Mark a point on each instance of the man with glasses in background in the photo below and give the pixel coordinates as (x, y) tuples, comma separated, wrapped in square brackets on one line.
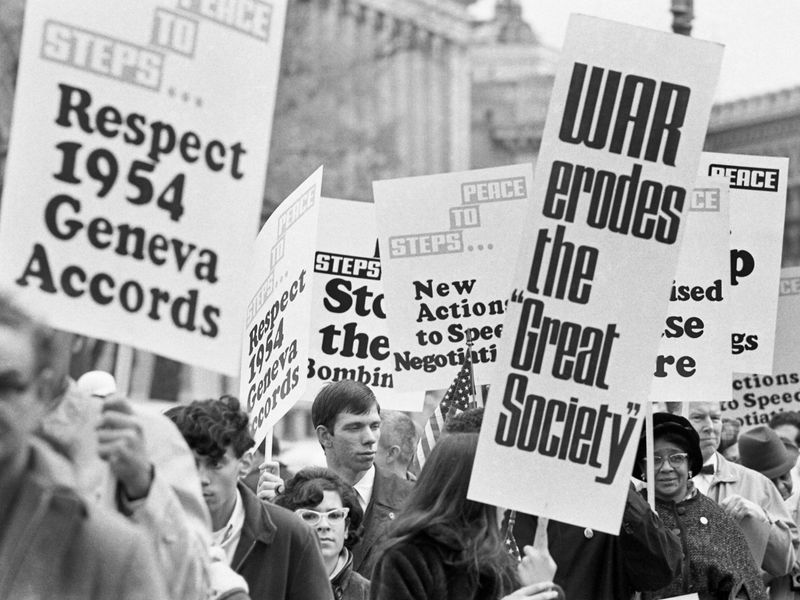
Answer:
[(276, 553), (749, 497)]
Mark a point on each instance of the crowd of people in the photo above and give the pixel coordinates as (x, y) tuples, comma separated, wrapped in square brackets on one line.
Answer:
[(103, 498)]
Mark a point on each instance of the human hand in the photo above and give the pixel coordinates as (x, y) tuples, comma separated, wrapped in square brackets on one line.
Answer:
[(545, 590), (739, 508), (269, 482), (537, 565), (120, 440)]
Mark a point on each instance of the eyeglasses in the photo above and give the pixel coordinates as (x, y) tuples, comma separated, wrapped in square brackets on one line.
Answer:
[(312, 517), (675, 460)]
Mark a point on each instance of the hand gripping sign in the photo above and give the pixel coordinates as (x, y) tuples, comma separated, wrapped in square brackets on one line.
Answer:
[(614, 175)]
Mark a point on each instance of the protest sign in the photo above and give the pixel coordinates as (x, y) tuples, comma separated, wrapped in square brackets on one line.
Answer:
[(448, 243), (693, 362), (136, 169), (276, 338), (758, 207), (618, 161), (348, 320), (756, 397)]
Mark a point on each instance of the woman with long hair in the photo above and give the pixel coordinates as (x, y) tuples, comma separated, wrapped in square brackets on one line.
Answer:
[(444, 546)]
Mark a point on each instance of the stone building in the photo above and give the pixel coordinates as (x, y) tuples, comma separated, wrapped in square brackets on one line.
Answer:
[(371, 89), (769, 125), (512, 75)]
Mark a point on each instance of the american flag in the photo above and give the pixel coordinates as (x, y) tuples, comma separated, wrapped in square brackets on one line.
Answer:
[(456, 399)]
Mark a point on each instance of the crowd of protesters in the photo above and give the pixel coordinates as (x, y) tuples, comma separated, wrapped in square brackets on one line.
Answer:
[(102, 498)]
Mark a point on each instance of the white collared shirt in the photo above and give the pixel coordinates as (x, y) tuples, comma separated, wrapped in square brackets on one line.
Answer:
[(228, 537), (702, 481), (363, 488)]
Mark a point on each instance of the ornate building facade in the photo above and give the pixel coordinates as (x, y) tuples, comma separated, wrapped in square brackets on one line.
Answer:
[(371, 89), (512, 75), (768, 125)]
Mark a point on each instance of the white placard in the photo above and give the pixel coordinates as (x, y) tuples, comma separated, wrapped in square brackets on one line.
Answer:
[(758, 208), (693, 362), (136, 169), (277, 336), (448, 244), (756, 398), (614, 175), (350, 339)]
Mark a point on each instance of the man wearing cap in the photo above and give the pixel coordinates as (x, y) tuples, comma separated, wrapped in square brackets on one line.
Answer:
[(749, 497), (762, 450)]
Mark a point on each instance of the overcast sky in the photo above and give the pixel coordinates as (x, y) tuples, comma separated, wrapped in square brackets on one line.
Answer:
[(762, 44)]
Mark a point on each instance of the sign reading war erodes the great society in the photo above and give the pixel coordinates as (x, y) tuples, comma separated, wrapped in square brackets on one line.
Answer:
[(136, 169), (614, 175)]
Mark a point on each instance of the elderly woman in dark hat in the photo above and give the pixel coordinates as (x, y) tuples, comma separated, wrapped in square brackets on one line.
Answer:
[(718, 563)]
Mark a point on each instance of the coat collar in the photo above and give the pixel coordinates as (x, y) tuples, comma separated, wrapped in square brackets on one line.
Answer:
[(725, 473), (258, 526)]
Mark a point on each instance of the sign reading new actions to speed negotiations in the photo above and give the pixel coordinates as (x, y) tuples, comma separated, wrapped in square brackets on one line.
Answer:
[(693, 362), (276, 339), (614, 178), (758, 207), (448, 245), (349, 337), (136, 169)]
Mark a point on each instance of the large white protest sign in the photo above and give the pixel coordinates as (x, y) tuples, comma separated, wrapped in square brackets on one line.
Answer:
[(614, 176), (448, 244), (758, 207), (276, 338), (136, 169), (693, 362), (348, 321), (757, 397)]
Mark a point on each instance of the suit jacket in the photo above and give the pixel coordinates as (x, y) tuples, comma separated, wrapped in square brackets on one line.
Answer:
[(388, 495), (53, 544), (783, 543), (278, 555)]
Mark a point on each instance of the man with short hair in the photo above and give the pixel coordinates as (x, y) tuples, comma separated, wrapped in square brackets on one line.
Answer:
[(347, 418), (276, 553), (744, 494), (397, 443), (53, 544)]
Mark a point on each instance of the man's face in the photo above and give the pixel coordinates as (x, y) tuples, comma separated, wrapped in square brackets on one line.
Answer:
[(354, 441), (218, 479), (20, 409), (706, 418)]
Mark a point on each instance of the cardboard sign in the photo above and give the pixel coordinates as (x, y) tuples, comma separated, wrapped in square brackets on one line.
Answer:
[(136, 169), (758, 207), (350, 339), (614, 177), (787, 330), (448, 244), (693, 362), (756, 397), (276, 340)]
